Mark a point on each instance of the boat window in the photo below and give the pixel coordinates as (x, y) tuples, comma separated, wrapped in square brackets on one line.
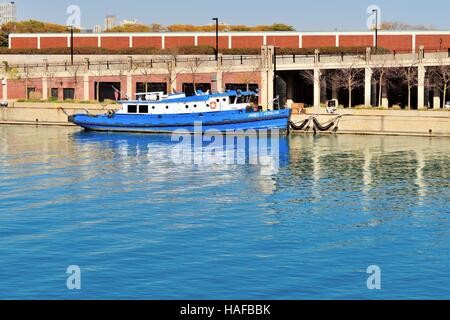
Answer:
[(195, 106), (143, 109), (241, 99), (218, 100), (187, 107), (132, 108), (224, 99), (167, 107), (232, 99)]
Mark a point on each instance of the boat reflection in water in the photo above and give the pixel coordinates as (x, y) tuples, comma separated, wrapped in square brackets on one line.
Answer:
[(261, 153)]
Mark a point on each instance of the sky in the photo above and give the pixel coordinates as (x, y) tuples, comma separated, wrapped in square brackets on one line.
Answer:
[(341, 15)]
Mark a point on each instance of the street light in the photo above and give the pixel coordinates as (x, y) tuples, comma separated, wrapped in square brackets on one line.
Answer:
[(375, 11), (71, 44), (217, 38)]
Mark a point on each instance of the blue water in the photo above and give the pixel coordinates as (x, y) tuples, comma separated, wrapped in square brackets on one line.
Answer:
[(140, 227)]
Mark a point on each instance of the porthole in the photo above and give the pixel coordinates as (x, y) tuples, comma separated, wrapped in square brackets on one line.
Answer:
[(187, 107), (153, 107), (218, 100), (167, 107), (224, 100), (195, 106)]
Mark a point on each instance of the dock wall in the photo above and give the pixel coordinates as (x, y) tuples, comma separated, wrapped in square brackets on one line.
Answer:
[(388, 122)]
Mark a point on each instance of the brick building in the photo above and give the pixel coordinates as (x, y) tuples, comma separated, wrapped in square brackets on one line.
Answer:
[(400, 41)]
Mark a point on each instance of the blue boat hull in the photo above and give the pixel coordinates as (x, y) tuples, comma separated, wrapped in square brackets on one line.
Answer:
[(193, 123)]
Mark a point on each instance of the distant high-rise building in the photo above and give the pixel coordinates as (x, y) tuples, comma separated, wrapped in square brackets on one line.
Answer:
[(97, 28), (110, 22), (8, 12)]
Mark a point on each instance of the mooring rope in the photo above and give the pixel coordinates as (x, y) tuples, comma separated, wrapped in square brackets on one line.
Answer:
[(305, 125)]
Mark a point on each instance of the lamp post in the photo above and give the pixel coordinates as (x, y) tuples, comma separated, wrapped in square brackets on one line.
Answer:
[(71, 45), (376, 28), (217, 38)]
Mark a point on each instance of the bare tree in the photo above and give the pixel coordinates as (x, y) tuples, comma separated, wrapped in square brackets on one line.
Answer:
[(349, 78), (145, 69), (193, 66), (408, 76), (99, 71), (250, 76), (170, 66), (440, 76), (381, 73)]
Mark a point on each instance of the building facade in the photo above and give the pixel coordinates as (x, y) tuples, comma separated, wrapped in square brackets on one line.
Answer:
[(8, 12)]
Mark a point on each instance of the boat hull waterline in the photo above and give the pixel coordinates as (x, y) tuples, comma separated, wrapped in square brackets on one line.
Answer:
[(193, 123)]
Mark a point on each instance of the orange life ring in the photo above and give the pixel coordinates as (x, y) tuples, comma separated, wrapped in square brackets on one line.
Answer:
[(213, 105)]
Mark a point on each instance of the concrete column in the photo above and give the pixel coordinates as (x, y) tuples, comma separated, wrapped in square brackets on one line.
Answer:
[(219, 81), (86, 87), (421, 87), (436, 98), (267, 77), (173, 76), (44, 88), (368, 87), (316, 87), (130, 86)]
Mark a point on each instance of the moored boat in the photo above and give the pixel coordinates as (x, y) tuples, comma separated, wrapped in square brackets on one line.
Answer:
[(159, 113)]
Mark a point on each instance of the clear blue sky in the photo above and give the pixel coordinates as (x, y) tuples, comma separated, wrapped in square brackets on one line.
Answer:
[(304, 15)]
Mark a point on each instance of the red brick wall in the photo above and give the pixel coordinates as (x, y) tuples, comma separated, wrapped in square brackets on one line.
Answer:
[(24, 43), (318, 41), (396, 42), (53, 42), (211, 41), (356, 41), (67, 82), (247, 42), (115, 42), (284, 41), (433, 42), (17, 88), (173, 42), (242, 78), (141, 42), (85, 42)]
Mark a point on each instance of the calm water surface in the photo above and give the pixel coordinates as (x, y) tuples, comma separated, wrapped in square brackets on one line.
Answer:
[(140, 227)]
